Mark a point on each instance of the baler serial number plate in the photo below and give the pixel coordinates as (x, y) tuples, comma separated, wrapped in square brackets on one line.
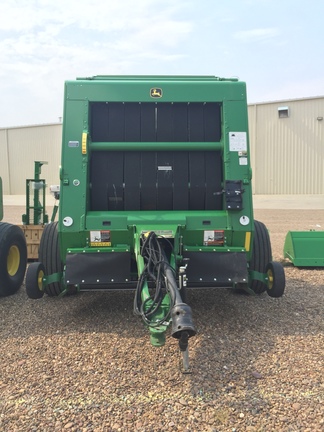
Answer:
[(100, 238)]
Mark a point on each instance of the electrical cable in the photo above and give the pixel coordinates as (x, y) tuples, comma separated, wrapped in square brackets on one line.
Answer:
[(155, 268)]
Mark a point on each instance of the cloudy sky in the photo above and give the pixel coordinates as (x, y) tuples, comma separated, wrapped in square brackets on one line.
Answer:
[(276, 46)]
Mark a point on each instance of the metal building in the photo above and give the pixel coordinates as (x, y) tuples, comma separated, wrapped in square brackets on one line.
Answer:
[(287, 146), (286, 140), (20, 147)]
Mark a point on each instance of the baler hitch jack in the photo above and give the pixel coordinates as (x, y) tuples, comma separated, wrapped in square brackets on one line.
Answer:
[(157, 299)]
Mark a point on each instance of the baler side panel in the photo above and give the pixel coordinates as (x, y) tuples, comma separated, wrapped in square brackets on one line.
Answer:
[(74, 184)]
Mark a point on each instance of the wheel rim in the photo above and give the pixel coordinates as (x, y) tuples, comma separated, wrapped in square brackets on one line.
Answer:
[(40, 280), (13, 260), (270, 279)]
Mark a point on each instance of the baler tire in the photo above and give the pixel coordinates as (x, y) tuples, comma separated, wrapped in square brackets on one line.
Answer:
[(49, 255), (276, 279), (13, 258), (261, 255), (34, 279)]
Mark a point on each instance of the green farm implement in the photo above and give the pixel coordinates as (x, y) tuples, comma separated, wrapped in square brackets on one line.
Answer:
[(305, 248), (13, 255), (35, 217), (155, 197)]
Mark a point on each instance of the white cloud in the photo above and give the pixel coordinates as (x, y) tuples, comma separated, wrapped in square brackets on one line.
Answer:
[(257, 35), (45, 30), (44, 42)]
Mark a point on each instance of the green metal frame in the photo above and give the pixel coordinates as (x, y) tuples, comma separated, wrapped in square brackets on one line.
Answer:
[(38, 207), (305, 248), (157, 331), (126, 227)]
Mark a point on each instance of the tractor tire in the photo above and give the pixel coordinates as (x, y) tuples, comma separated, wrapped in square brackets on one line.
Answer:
[(13, 258), (261, 255), (49, 256), (276, 279), (34, 278)]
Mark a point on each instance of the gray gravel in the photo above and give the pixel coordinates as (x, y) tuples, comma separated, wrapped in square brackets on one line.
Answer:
[(84, 363)]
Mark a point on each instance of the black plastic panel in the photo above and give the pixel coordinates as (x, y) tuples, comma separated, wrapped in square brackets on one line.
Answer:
[(99, 121), (180, 122), (216, 268), (164, 126), (132, 193), (148, 122), (233, 194), (155, 122), (197, 180), (147, 180), (180, 182), (116, 129), (97, 268), (132, 122), (196, 122), (164, 180)]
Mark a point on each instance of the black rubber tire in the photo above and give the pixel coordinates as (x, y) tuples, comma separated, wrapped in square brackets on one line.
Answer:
[(49, 256), (34, 276), (261, 255), (276, 279), (13, 258)]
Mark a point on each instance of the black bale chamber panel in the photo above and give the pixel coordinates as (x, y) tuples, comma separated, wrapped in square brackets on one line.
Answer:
[(155, 122), (163, 180), (155, 180)]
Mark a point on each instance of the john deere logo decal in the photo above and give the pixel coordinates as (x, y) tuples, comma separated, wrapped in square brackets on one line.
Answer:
[(156, 92)]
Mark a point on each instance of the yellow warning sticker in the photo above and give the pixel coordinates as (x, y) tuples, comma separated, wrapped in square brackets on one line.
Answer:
[(101, 244)]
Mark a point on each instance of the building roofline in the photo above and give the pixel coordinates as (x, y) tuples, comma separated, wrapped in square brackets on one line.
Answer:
[(281, 101), (30, 126)]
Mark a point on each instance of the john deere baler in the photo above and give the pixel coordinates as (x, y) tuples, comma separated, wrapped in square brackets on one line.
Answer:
[(156, 197)]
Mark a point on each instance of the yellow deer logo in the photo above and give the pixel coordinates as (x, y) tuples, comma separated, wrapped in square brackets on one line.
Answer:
[(156, 92)]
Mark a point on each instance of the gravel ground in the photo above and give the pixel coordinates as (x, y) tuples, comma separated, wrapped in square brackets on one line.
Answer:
[(84, 363)]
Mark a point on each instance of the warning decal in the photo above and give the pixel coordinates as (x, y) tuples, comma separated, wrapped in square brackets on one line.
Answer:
[(213, 238), (237, 141), (100, 238)]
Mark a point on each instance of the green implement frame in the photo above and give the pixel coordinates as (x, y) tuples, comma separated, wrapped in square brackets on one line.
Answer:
[(35, 198), (305, 248), (155, 197)]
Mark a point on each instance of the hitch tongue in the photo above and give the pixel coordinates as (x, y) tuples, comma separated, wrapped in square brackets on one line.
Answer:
[(183, 329)]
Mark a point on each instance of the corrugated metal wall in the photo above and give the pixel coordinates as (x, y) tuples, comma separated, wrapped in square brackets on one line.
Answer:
[(4, 160), (288, 152), (20, 147)]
